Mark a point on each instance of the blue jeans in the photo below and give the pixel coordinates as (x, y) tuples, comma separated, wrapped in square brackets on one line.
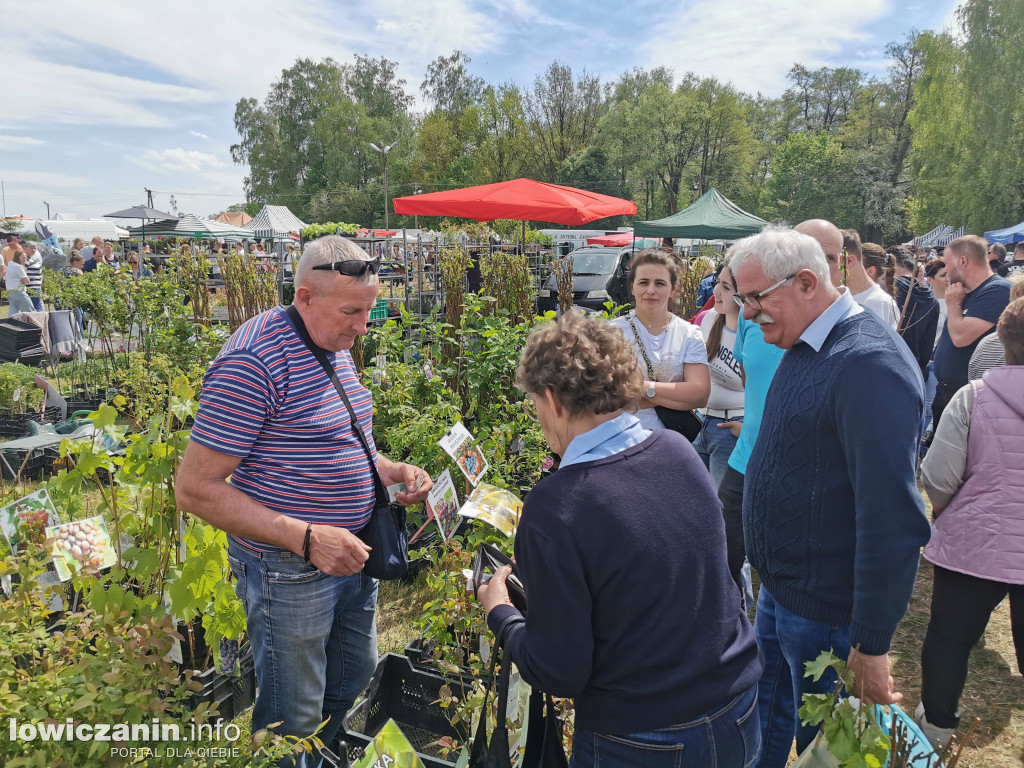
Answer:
[(728, 738), (314, 639), (20, 302), (714, 445), (787, 641), (930, 385)]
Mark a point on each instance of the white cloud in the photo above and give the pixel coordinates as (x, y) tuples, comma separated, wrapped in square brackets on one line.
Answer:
[(754, 43), (200, 135), (61, 93), (43, 179), (18, 142), (171, 160)]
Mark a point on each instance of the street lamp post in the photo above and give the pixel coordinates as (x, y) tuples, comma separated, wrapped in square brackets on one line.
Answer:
[(47, 210), (384, 157)]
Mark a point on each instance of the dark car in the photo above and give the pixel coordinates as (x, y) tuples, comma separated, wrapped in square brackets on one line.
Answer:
[(598, 276)]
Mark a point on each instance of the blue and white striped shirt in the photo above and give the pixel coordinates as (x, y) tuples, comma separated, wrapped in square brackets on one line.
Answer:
[(267, 400), (34, 268)]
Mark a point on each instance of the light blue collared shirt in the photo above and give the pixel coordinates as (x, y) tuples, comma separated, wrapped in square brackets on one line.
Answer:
[(840, 309), (604, 440)]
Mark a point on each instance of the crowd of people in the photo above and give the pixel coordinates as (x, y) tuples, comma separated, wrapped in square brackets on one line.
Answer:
[(808, 382)]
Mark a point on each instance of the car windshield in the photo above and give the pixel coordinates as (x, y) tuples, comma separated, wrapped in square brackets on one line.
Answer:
[(594, 262)]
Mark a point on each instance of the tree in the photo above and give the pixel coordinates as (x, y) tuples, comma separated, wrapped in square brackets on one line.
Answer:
[(374, 84), (810, 177), (968, 140), (563, 111), (824, 96), (449, 86), (505, 149)]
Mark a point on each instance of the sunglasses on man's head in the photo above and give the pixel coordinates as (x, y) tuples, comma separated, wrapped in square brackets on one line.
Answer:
[(353, 267)]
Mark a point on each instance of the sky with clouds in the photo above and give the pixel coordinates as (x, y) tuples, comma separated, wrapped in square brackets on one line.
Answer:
[(104, 98)]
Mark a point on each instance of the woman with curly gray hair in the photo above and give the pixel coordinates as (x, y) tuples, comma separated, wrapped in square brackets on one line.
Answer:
[(632, 613)]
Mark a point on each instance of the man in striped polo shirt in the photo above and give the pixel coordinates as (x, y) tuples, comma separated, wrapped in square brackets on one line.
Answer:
[(34, 268), (272, 424)]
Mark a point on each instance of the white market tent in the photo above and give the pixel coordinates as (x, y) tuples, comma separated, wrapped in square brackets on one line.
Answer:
[(86, 229), (275, 222)]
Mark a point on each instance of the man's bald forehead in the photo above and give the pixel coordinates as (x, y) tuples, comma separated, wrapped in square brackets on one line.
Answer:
[(825, 232)]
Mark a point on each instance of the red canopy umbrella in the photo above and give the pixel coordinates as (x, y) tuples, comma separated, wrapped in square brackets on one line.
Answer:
[(521, 199)]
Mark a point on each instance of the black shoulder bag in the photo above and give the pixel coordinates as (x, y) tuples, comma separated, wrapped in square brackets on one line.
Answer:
[(385, 533), (544, 730), (685, 423)]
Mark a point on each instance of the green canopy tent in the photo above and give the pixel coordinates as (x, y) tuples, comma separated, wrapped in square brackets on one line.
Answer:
[(712, 217)]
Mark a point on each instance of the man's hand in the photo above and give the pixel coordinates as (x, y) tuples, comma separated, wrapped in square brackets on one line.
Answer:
[(732, 426), (417, 481), (337, 551), (872, 682), (955, 294), (494, 591)]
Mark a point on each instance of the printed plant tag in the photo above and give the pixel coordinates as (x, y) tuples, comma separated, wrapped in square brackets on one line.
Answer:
[(494, 505), (81, 544), (36, 511), (461, 446), (444, 504)]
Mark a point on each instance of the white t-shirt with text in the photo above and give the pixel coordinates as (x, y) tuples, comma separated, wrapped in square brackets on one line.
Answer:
[(726, 372)]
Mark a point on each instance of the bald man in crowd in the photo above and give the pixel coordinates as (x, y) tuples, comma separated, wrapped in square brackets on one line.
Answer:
[(830, 238)]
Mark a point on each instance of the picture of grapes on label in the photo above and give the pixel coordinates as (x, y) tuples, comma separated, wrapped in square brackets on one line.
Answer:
[(82, 544)]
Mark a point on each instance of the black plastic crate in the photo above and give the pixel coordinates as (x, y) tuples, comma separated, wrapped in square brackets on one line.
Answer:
[(244, 686), (16, 424), (409, 696), (27, 463)]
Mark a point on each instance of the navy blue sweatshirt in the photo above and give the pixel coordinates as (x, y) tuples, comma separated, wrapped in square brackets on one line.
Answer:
[(920, 320), (632, 611), (832, 518)]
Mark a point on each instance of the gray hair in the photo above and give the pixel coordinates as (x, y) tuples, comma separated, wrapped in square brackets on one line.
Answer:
[(781, 252), (29, 244), (326, 250)]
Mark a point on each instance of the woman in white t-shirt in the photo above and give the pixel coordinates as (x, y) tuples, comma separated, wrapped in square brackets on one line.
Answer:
[(670, 350), (723, 414), (16, 282)]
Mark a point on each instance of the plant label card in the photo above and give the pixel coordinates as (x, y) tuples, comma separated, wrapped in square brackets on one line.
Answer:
[(80, 544), (461, 446), (444, 504), (36, 511), (494, 505)]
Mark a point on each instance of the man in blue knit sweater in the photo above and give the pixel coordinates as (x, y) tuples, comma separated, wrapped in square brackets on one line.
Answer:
[(832, 518)]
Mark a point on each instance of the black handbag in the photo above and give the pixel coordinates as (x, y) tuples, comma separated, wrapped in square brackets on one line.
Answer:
[(385, 532), (544, 747), (493, 753), (685, 423), (544, 730)]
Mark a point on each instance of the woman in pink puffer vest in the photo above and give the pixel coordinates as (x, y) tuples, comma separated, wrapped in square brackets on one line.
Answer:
[(974, 476)]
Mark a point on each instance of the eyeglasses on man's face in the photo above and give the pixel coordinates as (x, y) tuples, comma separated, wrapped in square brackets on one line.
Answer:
[(352, 267), (754, 300)]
